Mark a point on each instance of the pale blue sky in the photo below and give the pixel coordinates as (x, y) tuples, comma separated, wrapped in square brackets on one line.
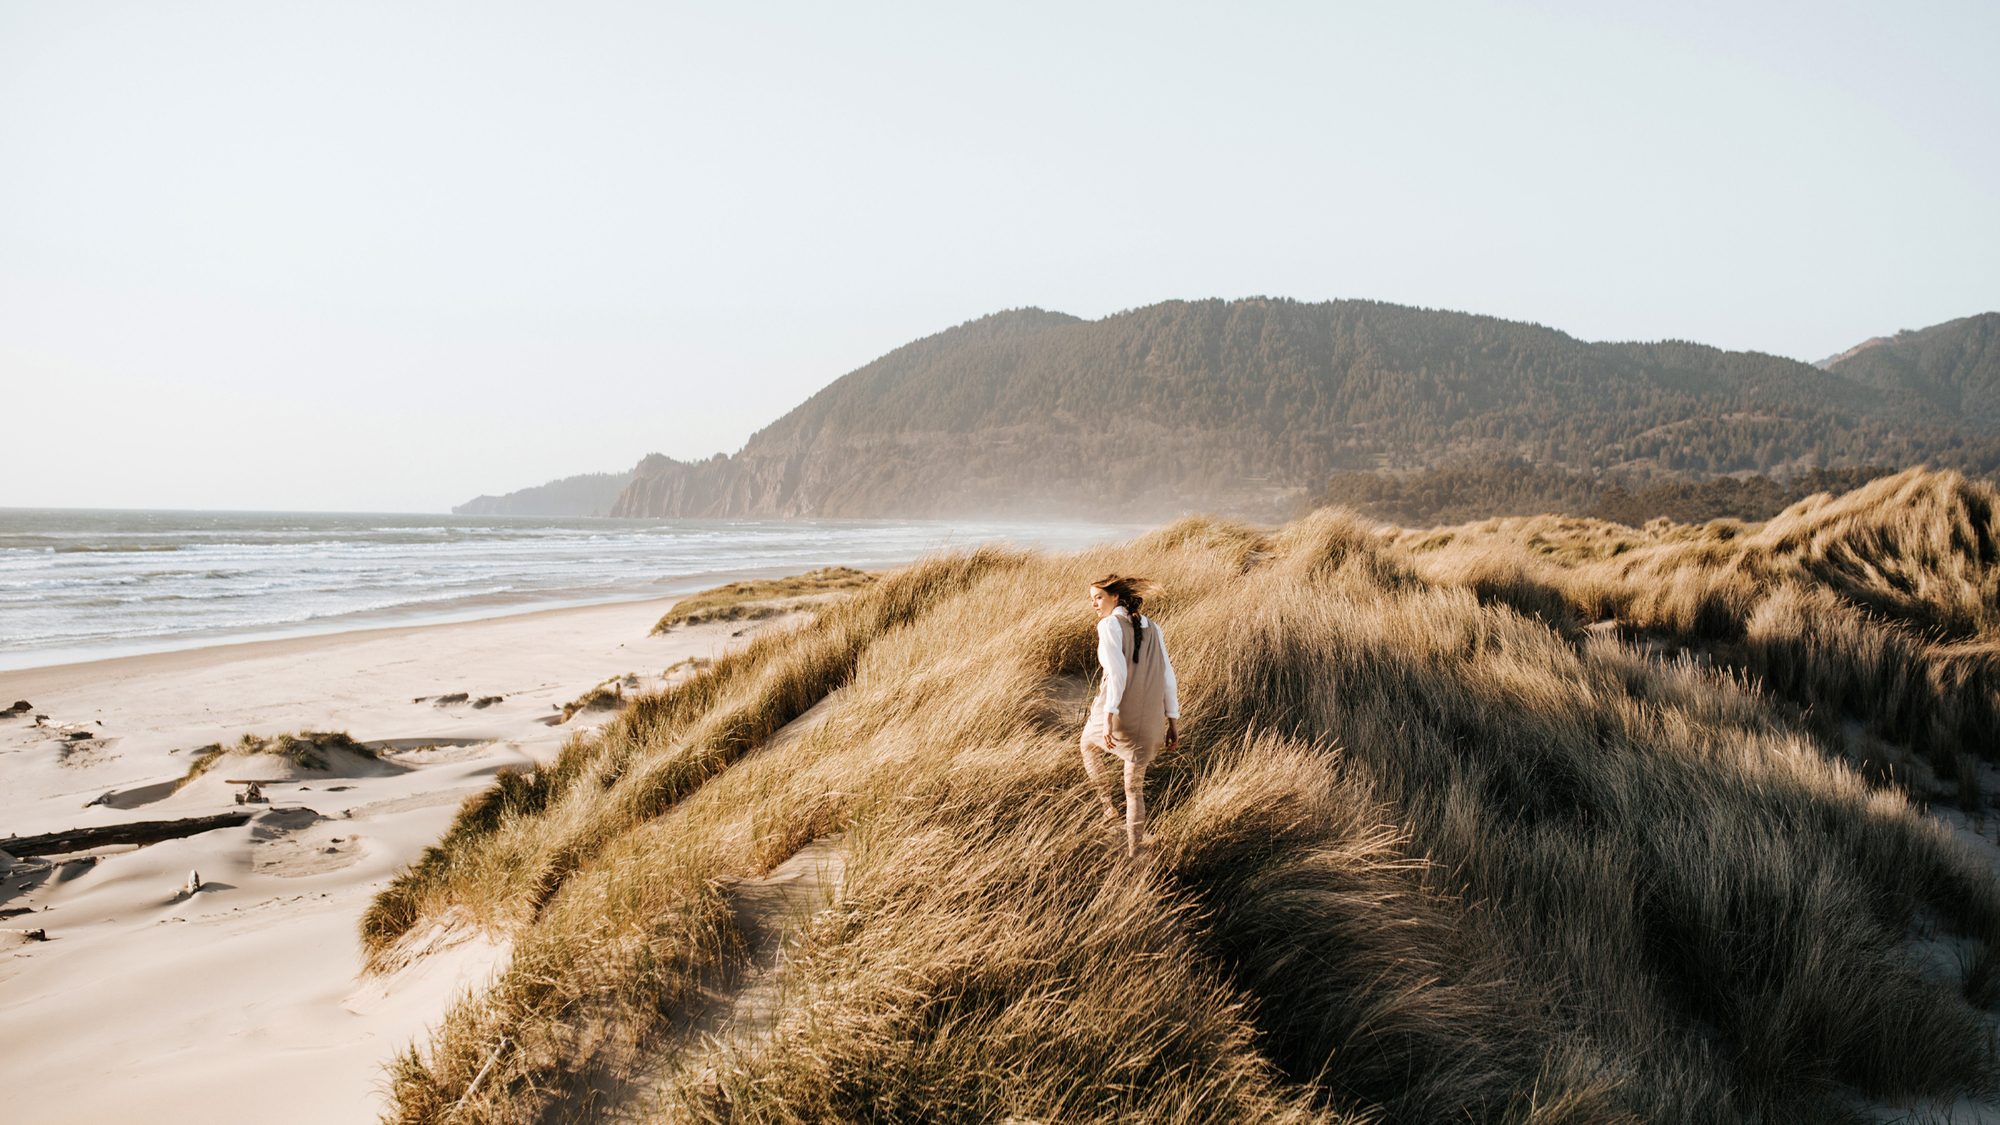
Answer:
[(385, 256)]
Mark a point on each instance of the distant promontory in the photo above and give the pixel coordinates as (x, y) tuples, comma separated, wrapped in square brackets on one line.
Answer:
[(587, 494)]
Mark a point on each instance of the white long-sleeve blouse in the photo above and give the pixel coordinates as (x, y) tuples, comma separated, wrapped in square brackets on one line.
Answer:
[(1111, 654)]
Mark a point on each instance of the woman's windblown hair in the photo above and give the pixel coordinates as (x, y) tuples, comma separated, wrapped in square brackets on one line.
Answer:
[(1131, 593)]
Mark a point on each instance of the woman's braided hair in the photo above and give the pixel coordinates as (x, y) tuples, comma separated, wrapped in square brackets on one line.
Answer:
[(1131, 593)]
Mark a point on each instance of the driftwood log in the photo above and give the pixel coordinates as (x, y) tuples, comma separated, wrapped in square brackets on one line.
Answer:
[(254, 795), (132, 832)]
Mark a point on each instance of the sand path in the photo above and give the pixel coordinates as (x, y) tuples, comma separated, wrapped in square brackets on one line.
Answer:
[(734, 1013), (769, 911)]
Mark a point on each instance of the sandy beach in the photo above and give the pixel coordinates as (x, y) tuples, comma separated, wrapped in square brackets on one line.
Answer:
[(246, 998)]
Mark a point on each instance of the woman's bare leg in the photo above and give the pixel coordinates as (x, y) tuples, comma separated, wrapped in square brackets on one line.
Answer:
[(1135, 806), (1100, 781)]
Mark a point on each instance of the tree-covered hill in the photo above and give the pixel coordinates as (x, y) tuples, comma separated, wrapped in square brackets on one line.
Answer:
[(1251, 405), (1954, 366)]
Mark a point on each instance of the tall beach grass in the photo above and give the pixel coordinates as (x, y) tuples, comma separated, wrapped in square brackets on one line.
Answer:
[(1533, 821)]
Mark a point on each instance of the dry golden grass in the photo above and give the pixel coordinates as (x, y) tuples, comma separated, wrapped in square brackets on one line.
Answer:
[(1433, 848), (606, 696), (1876, 612), (763, 597)]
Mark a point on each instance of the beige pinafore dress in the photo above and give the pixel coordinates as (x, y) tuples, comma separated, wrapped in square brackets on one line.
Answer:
[(1142, 712)]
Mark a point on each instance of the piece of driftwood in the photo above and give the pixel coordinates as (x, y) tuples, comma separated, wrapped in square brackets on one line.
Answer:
[(491, 1058), (131, 832), (252, 795)]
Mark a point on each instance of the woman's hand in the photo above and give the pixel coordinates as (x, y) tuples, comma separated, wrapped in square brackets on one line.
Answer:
[(1173, 733), (1113, 730)]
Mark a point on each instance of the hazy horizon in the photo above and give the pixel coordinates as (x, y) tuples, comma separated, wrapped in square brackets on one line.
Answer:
[(384, 258)]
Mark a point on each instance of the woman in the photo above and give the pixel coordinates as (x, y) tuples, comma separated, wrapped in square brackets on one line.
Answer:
[(1137, 709)]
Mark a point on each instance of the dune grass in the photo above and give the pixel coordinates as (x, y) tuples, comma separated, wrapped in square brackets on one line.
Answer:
[(1433, 850), (606, 696), (1877, 613), (763, 597), (305, 749)]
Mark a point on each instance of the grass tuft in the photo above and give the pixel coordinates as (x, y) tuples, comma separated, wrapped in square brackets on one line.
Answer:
[(307, 749), (763, 597), (606, 696)]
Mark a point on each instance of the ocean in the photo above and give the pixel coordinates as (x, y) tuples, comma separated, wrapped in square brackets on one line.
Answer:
[(81, 584)]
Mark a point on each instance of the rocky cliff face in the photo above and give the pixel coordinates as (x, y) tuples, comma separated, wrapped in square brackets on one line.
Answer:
[(915, 478), (716, 488)]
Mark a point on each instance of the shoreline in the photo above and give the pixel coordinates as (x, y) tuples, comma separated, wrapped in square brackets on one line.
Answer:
[(412, 616), (116, 662), (83, 587)]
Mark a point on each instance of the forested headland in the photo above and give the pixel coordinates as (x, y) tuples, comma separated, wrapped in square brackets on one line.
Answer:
[(1262, 408)]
